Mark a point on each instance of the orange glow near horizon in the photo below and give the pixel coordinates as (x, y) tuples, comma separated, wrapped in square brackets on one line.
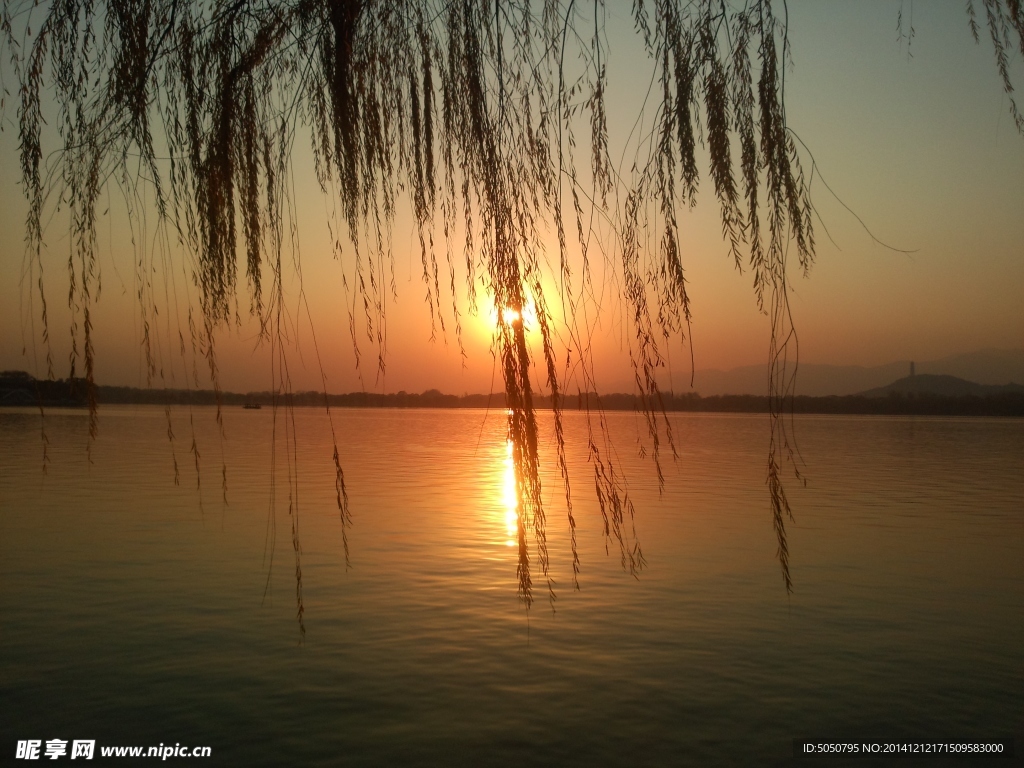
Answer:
[(856, 104)]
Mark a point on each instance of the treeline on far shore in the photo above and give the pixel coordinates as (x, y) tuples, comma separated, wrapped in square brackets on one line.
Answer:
[(20, 389)]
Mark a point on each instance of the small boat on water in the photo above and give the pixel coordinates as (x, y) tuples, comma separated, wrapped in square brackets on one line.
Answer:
[(252, 406)]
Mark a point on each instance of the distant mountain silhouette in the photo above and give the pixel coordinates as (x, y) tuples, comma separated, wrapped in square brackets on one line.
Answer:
[(986, 366), (983, 368), (942, 386)]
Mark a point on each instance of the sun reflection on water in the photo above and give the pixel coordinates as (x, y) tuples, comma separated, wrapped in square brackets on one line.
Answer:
[(510, 500)]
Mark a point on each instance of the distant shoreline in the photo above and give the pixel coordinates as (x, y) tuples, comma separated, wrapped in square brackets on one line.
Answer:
[(67, 393)]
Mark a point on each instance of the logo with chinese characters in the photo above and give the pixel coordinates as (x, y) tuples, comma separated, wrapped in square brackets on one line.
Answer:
[(30, 749)]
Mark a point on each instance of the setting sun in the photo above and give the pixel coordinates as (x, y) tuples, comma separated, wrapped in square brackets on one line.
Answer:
[(511, 316)]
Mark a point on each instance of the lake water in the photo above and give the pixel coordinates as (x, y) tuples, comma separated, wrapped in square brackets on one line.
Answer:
[(137, 612)]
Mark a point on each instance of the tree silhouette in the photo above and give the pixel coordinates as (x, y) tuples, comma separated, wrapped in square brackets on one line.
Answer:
[(470, 110)]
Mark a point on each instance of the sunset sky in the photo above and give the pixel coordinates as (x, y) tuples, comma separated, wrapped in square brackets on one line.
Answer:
[(919, 144)]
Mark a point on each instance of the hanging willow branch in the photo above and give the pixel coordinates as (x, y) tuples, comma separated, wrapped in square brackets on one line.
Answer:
[(467, 109)]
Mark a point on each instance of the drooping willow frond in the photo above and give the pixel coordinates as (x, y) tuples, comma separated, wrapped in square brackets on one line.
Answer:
[(469, 112)]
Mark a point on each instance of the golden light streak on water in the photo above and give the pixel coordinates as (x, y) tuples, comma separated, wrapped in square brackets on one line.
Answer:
[(509, 498)]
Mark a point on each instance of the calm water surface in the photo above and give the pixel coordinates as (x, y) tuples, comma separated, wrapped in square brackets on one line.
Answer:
[(134, 611)]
